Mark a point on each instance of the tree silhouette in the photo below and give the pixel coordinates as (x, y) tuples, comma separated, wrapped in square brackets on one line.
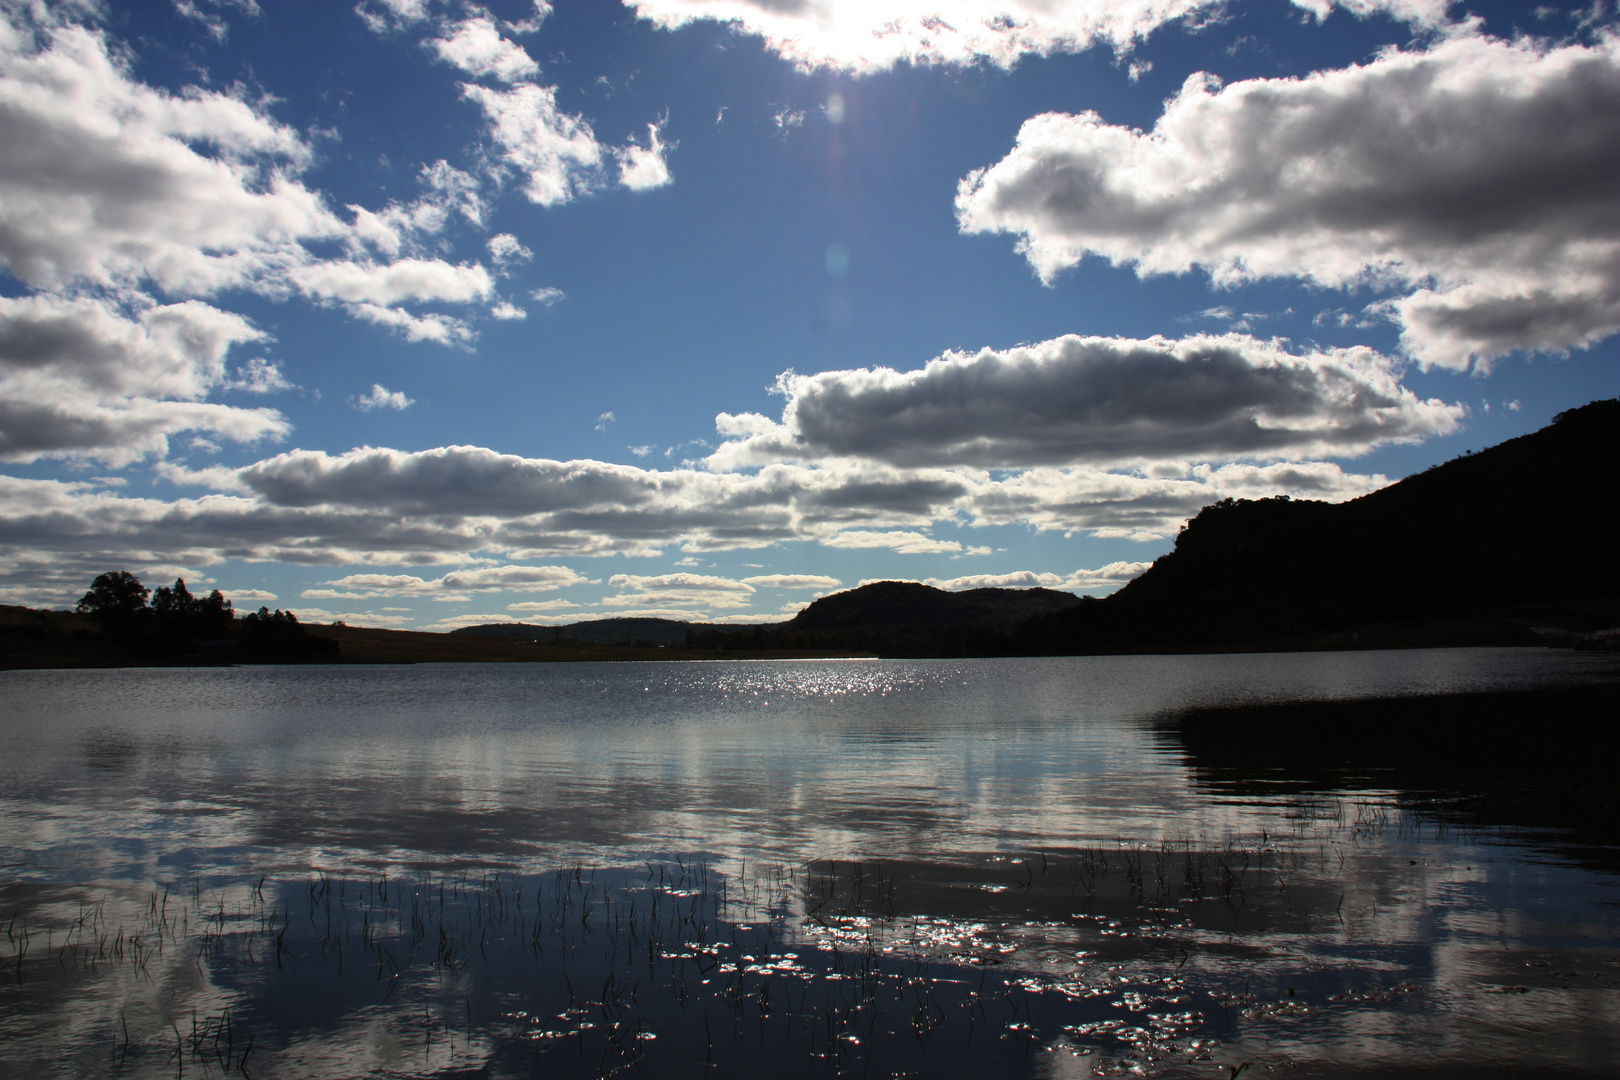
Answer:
[(180, 625), (116, 600)]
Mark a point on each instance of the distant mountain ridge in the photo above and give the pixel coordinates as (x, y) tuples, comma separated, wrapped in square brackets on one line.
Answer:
[(871, 611), (1471, 551), (624, 631), (909, 603)]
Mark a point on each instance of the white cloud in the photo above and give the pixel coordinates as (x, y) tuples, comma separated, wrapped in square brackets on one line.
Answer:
[(603, 421), (380, 397), (397, 227), (521, 579), (508, 312), (244, 598), (81, 379), (901, 541), (514, 578), (1104, 578), (382, 509), (117, 196), (542, 8), (371, 292), (866, 36), (444, 329), (259, 376), (1020, 579), (212, 20), (642, 168), (556, 153), (530, 606), (394, 14), (365, 619), (1098, 401), (389, 284), (793, 581), (507, 249), (104, 181), (1111, 576), (476, 46), (676, 614), (547, 296), (687, 591), (1477, 178), (456, 622)]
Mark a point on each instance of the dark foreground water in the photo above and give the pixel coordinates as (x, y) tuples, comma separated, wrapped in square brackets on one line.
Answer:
[(1033, 867)]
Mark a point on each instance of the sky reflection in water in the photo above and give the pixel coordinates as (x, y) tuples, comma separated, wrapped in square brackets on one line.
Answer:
[(1010, 823)]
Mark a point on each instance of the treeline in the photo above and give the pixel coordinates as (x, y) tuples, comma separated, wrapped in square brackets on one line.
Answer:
[(171, 622)]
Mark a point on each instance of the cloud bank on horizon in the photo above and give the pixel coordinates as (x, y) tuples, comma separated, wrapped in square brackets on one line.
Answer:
[(366, 329)]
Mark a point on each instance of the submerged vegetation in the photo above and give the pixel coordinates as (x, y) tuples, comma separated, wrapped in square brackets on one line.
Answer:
[(1130, 959)]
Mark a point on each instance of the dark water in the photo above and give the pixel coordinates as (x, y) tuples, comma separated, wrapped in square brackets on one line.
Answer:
[(934, 868)]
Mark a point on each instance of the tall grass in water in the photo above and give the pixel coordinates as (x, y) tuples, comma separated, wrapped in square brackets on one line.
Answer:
[(1123, 958)]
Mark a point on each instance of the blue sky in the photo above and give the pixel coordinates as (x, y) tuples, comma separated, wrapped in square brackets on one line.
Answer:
[(423, 314)]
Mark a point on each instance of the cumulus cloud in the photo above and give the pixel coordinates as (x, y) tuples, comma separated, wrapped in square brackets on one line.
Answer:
[(80, 378), (390, 284), (532, 606), (1141, 507), (1096, 401), (507, 249), (449, 193), (792, 581), (556, 153), (105, 180), (353, 618), (380, 508), (242, 598), (475, 45), (444, 329), (380, 397), (513, 579), (1477, 178), (642, 168), (522, 579), (903, 541), (866, 36), (1105, 578), (384, 16), (209, 13), (118, 197), (687, 591), (259, 376)]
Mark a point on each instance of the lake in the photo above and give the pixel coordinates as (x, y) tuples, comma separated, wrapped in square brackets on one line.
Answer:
[(1016, 867)]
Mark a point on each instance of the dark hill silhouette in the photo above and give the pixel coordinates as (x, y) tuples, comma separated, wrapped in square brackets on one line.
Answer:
[(1512, 533), (902, 618), (908, 603), (629, 631), (906, 616), (1473, 551)]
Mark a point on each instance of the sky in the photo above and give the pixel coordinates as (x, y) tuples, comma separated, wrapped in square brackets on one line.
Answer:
[(424, 314)]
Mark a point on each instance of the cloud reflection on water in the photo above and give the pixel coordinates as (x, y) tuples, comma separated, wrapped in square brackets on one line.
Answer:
[(973, 788)]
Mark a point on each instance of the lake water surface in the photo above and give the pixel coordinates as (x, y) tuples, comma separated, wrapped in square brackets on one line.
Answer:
[(883, 868)]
